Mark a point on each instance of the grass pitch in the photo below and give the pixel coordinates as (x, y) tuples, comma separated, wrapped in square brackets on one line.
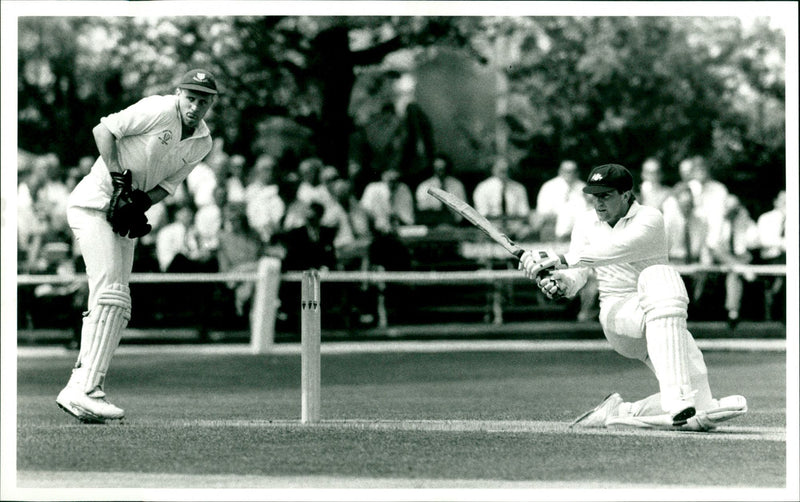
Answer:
[(466, 419)]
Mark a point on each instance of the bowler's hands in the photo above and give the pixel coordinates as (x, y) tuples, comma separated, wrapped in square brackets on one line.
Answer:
[(534, 263)]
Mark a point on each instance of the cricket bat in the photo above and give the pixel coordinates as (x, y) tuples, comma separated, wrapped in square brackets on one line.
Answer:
[(459, 206)]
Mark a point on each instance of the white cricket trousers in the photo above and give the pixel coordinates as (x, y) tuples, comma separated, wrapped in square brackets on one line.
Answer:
[(108, 257), (623, 323)]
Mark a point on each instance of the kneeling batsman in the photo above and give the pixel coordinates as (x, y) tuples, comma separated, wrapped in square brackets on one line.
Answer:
[(666, 347)]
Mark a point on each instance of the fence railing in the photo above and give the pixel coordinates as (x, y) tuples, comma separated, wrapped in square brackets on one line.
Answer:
[(268, 277)]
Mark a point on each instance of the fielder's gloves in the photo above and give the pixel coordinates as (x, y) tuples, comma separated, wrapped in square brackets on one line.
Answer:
[(534, 263), (121, 189)]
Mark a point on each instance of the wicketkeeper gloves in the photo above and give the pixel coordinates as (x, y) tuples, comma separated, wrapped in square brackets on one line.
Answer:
[(127, 207)]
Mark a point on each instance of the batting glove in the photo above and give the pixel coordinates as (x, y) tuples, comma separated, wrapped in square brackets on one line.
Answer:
[(551, 286), (139, 226), (534, 263)]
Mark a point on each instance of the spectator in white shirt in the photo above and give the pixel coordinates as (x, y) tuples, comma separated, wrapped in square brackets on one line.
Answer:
[(652, 191), (559, 202), (443, 179), (731, 244), (263, 204), (500, 197), (772, 243)]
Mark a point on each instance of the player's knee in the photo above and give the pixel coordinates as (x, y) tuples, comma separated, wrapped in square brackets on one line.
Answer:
[(662, 293), (118, 296)]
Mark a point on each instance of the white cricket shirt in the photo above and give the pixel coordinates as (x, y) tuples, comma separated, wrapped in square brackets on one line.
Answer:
[(149, 145), (618, 254)]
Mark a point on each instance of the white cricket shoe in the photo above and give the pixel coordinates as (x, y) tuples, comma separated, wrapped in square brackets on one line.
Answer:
[(723, 410), (600, 414), (88, 408)]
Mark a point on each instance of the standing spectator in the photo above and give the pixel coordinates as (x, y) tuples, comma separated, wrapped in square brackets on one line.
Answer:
[(234, 178), (263, 203), (498, 196), (239, 250), (687, 236), (146, 152), (687, 231), (442, 178), (652, 190), (710, 195), (559, 202), (772, 244), (731, 244)]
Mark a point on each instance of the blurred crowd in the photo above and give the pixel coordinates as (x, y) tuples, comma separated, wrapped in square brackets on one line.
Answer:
[(230, 212)]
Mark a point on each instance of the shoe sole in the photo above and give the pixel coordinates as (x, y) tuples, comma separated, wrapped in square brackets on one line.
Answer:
[(84, 416), (682, 417)]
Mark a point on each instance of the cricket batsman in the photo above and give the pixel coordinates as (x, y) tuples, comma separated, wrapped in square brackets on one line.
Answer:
[(643, 307), (146, 151)]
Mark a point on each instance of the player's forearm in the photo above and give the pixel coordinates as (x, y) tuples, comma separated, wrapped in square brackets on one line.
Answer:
[(107, 147)]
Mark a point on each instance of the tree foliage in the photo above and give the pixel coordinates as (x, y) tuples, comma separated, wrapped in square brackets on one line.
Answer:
[(594, 89)]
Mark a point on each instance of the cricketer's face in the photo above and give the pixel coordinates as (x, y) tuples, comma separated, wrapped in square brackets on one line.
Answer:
[(193, 106), (610, 206)]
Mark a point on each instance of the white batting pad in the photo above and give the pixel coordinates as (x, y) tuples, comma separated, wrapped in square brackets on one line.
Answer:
[(113, 312), (663, 298)]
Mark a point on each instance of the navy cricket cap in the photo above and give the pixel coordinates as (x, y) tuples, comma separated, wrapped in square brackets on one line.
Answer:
[(608, 177), (199, 80)]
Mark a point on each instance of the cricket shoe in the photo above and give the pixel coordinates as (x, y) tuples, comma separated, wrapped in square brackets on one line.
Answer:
[(600, 414), (723, 410), (89, 408)]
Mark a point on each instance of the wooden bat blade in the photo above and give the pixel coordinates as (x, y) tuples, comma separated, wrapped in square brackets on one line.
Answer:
[(474, 217)]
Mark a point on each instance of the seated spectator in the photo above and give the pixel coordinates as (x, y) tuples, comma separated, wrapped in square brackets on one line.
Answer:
[(310, 188), (429, 208), (177, 245), (208, 220), (263, 204), (772, 249), (310, 246), (500, 197), (389, 204), (203, 179), (239, 250), (327, 177), (731, 244), (234, 178), (359, 177), (296, 210), (652, 191)]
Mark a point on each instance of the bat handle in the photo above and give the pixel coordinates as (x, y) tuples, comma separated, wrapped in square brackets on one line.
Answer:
[(518, 253)]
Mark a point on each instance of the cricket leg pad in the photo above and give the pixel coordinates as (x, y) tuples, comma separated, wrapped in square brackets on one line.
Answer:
[(113, 312), (722, 410), (664, 301)]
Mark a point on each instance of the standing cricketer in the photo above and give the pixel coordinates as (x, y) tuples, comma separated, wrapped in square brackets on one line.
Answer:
[(643, 307), (146, 151)]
